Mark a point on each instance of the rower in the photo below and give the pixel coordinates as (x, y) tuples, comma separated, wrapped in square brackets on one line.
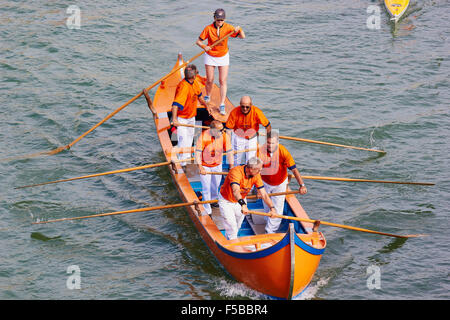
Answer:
[(276, 160), (244, 122), (210, 146), (184, 108), (218, 55), (237, 185)]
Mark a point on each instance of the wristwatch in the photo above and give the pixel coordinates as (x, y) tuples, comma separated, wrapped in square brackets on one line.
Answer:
[(302, 185)]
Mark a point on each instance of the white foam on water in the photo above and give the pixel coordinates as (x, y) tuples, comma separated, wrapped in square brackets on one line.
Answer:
[(234, 290), (311, 291)]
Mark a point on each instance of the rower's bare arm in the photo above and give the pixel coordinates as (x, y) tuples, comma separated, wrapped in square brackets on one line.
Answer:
[(299, 179), (241, 32), (237, 195), (175, 116), (202, 45)]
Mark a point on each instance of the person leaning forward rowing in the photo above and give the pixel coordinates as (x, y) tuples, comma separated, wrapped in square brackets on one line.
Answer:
[(218, 55), (235, 188), (184, 108), (209, 149), (244, 122), (276, 160)]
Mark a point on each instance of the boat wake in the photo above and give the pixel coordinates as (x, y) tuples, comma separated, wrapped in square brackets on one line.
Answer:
[(311, 292), (234, 290)]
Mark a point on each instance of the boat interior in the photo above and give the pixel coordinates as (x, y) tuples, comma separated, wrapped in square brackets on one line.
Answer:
[(253, 224)]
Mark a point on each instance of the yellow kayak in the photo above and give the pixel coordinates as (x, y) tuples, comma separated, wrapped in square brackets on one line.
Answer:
[(396, 8)]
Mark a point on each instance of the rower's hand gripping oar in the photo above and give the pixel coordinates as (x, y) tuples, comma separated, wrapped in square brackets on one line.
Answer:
[(70, 145)]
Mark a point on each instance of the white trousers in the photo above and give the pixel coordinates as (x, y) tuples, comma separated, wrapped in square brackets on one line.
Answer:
[(210, 185), (232, 217), (272, 224), (185, 137), (239, 143)]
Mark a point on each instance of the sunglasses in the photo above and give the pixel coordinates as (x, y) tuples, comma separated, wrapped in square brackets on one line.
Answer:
[(245, 107), (220, 20)]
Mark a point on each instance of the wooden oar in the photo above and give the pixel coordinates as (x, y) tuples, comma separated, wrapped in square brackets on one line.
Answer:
[(298, 139), (101, 174), (125, 170), (330, 144), (326, 143), (66, 147), (337, 225), (363, 180), (346, 179), (168, 206)]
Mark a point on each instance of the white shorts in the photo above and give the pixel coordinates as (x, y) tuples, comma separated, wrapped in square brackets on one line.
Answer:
[(217, 61)]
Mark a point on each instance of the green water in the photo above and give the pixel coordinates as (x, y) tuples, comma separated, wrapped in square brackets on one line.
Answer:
[(316, 71)]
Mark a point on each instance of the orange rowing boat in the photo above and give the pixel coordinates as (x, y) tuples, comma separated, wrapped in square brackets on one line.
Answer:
[(280, 265)]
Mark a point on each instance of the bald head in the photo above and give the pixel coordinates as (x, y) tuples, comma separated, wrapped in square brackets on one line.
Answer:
[(246, 100), (246, 104)]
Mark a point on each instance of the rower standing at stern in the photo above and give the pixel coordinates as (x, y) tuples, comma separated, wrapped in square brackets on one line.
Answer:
[(237, 185), (217, 56)]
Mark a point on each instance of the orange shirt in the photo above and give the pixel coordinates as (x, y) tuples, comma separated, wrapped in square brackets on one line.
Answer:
[(186, 97), (275, 165), (201, 80), (210, 33), (246, 125), (211, 148), (237, 176)]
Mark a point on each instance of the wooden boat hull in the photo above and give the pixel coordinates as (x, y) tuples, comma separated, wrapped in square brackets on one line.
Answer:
[(396, 8), (283, 269)]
